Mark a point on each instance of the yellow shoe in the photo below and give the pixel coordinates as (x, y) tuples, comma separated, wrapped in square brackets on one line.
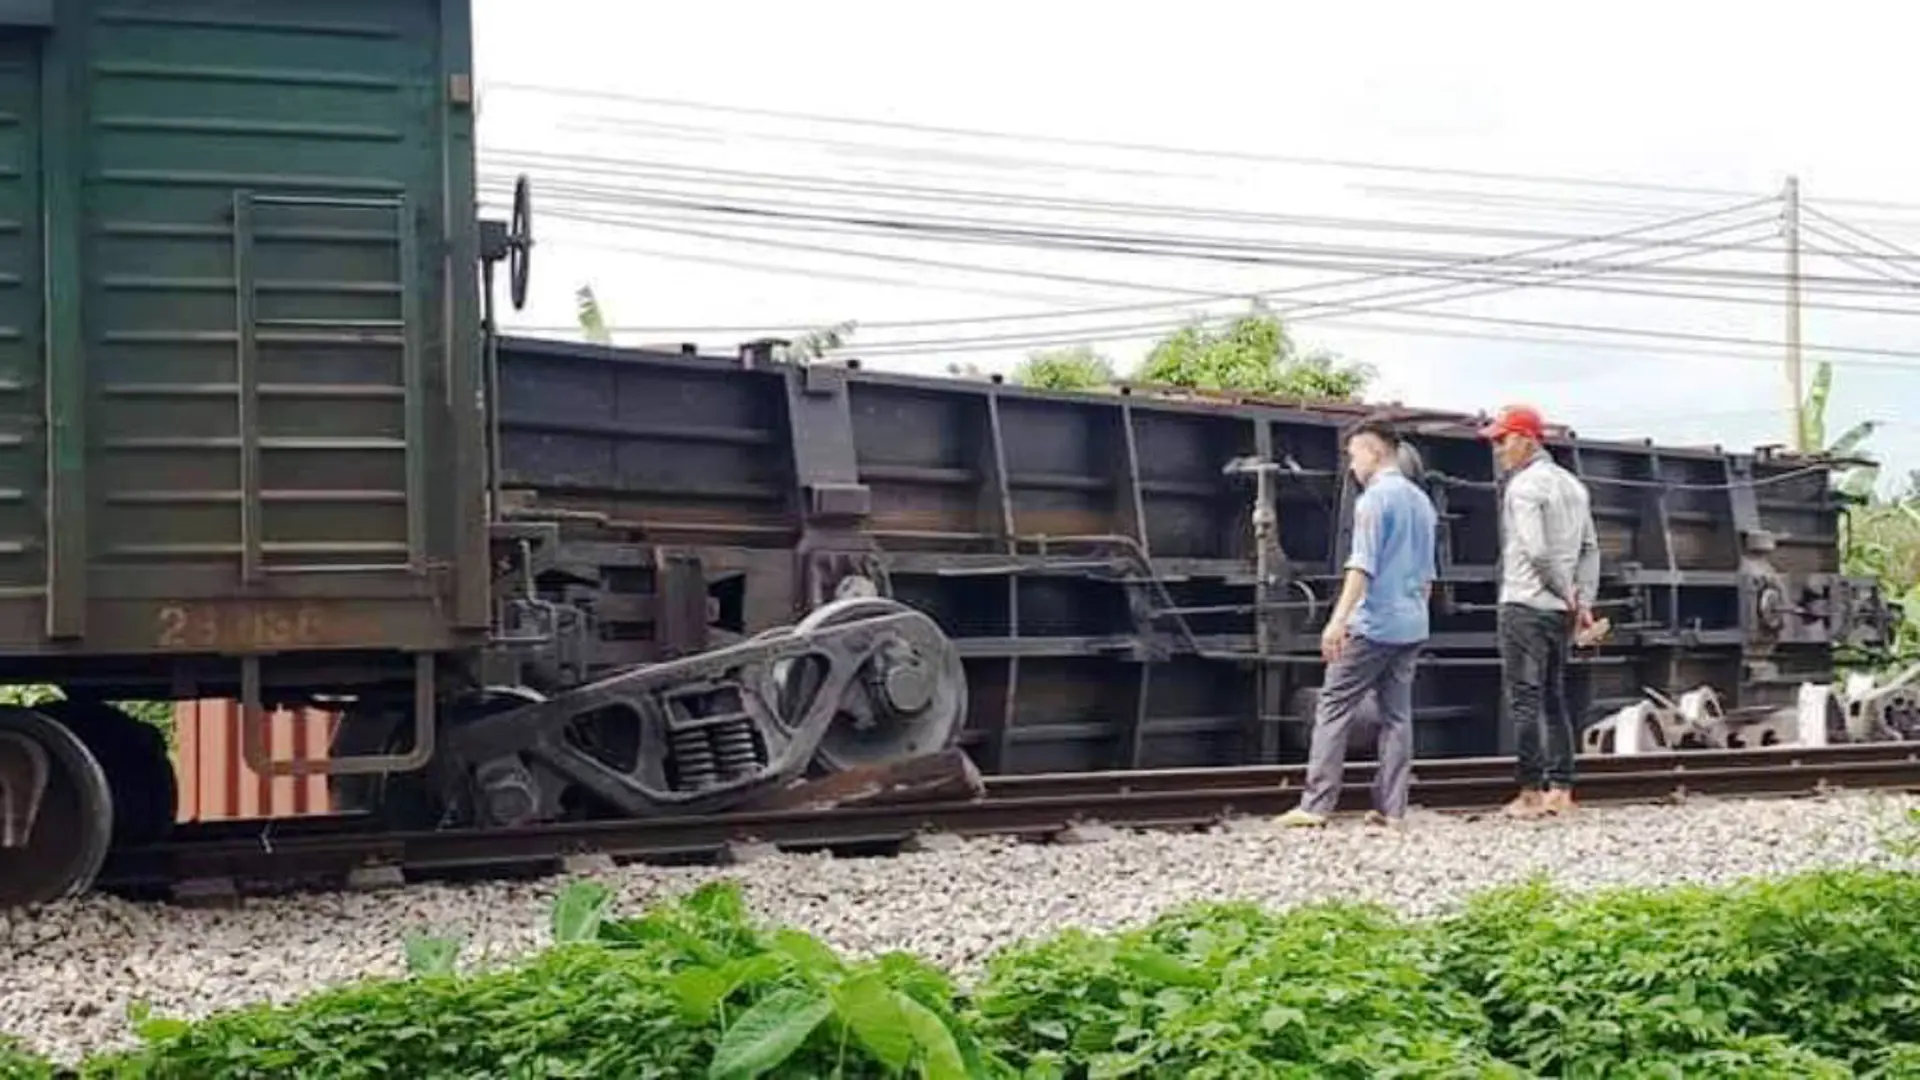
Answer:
[(1298, 818)]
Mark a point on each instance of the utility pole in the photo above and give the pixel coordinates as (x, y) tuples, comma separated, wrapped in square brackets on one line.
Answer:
[(1797, 410)]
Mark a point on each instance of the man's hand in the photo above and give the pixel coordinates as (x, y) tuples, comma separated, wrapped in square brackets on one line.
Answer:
[(1582, 614), (1333, 640)]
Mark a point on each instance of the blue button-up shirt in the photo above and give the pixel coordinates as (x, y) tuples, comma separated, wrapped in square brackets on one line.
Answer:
[(1393, 543)]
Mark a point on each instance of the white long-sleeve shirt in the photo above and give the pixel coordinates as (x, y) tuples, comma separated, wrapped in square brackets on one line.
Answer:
[(1548, 543)]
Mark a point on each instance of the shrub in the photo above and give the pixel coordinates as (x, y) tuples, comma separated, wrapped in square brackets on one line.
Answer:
[(1584, 986), (1230, 990), (17, 1064), (1808, 976), (690, 988)]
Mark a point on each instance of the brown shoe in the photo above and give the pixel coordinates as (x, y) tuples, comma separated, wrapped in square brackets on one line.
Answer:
[(1525, 805), (1558, 801), (1377, 820)]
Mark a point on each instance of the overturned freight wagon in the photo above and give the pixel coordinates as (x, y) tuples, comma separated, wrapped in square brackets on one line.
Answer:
[(1095, 556)]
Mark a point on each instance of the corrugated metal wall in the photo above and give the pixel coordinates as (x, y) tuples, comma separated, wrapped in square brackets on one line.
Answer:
[(215, 782)]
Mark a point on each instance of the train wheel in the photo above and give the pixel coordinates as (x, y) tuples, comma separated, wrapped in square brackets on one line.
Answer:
[(146, 791), (52, 846), (909, 700)]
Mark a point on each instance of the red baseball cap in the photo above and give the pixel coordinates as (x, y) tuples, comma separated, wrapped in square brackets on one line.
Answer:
[(1517, 420)]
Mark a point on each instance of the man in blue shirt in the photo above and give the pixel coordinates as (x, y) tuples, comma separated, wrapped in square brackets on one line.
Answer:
[(1372, 640)]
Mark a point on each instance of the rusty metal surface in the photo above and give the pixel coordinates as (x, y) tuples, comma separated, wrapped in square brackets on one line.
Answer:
[(947, 775), (1032, 806), (1098, 570)]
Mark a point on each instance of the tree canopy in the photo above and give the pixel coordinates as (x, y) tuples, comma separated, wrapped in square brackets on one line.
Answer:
[(1252, 354), (1077, 368)]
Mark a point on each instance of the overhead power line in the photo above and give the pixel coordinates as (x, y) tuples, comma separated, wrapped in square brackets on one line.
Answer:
[(1374, 263), (1568, 270), (1027, 233), (1904, 259), (1250, 253), (567, 169), (1160, 149), (1149, 329)]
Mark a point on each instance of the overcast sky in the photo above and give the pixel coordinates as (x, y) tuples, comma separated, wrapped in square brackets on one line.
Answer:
[(600, 101)]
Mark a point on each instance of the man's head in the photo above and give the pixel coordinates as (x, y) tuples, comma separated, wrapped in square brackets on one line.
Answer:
[(1516, 434), (1371, 447)]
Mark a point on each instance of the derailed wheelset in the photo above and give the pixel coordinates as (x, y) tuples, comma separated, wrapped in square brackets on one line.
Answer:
[(858, 681)]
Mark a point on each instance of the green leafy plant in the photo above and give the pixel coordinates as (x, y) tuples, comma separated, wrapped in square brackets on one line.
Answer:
[(1585, 986), (688, 988), (591, 316), (1810, 976), (17, 1063), (158, 714), (1077, 368), (1229, 990), (429, 955), (815, 344), (783, 1000), (1255, 354)]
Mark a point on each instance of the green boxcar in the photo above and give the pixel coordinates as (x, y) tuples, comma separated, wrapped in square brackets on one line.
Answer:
[(240, 392)]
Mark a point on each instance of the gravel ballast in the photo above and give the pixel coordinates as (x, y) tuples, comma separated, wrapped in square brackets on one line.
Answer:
[(71, 971)]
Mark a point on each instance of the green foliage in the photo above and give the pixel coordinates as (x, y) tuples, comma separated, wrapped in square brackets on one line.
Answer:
[(1812, 976), (159, 714), (1856, 481), (815, 344), (1817, 967), (1228, 990), (690, 988), (593, 321), (17, 1064), (1076, 368), (430, 955), (29, 694), (1254, 354), (1882, 538), (1883, 542)]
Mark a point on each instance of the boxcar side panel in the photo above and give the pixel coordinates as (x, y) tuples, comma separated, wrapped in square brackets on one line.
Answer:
[(252, 315)]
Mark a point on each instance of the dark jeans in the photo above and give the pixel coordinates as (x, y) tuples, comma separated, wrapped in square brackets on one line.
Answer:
[(1384, 674), (1533, 663)]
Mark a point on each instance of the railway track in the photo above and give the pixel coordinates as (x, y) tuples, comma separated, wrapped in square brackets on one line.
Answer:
[(238, 857)]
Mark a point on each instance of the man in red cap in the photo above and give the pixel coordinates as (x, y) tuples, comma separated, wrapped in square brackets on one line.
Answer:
[(1549, 572)]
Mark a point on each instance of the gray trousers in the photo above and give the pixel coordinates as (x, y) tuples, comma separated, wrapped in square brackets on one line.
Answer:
[(1384, 673)]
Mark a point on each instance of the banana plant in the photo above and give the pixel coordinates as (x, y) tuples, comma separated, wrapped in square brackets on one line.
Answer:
[(593, 321), (1856, 481), (815, 344)]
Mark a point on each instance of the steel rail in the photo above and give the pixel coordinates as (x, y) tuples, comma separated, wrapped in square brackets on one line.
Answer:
[(1032, 806)]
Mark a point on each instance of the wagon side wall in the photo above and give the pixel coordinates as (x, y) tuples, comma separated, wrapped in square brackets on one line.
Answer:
[(238, 352)]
